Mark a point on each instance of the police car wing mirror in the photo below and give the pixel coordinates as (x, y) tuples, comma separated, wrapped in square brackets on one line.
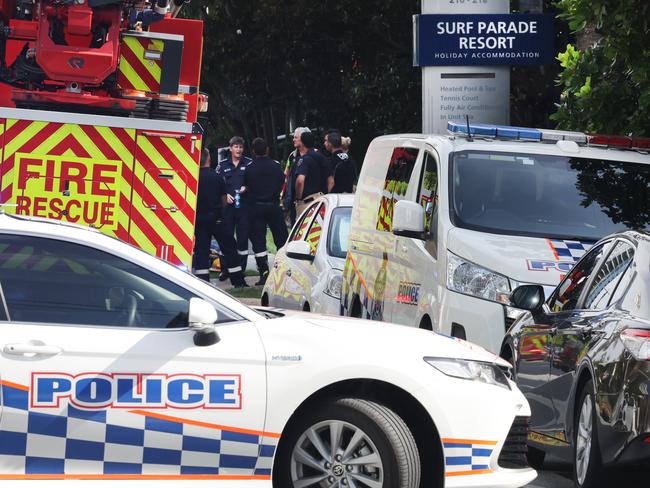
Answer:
[(300, 250), (408, 220), (528, 297), (201, 318)]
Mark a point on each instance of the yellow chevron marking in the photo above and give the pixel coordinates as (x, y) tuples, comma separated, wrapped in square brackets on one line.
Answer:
[(162, 200), (190, 165), (132, 76), (152, 67), (21, 139)]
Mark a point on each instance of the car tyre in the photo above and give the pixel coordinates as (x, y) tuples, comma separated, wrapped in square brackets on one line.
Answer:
[(587, 465), (371, 443)]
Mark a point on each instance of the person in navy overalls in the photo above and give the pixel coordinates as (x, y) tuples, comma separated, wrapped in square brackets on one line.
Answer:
[(236, 213)]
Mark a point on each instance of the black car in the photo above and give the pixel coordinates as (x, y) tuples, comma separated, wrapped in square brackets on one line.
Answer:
[(582, 359)]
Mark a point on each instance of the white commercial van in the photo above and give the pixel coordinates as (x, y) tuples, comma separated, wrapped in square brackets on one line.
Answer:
[(444, 227)]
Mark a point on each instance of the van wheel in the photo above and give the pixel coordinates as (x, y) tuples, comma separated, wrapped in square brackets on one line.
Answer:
[(348, 442), (426, 324), (306, 307), (265, 300)]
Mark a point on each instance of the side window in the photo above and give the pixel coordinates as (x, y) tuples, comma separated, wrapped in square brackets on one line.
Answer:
[(56, 282), (566, 295), (399, 172), (302, 225), (428, 194), (609, 275), (315, 231)]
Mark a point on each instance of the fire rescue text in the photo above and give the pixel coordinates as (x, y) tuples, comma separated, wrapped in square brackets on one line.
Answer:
[(78, 190)]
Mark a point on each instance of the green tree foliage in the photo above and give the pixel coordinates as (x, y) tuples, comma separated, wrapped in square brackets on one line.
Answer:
[(269, 64), (606, 87)]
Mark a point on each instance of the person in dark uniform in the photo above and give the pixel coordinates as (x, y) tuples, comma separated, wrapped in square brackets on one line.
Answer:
[(343, 166), (313, 174), (264, 180), (236, 212), (210, 200), (288, 195)]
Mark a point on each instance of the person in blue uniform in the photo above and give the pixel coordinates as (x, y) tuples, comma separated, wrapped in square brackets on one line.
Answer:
[(211, 197), (236, 213), (264, 181)]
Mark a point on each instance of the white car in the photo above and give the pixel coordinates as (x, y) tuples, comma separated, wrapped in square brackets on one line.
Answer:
[(307, 271), (115, 365)]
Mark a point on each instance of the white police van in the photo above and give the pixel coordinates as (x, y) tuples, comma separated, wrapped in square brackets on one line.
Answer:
[(445, 226), (115, 365)]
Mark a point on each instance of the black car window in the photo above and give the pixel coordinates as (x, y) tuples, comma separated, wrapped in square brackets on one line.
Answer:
[(565, 297), (608, 276), (50, 281)]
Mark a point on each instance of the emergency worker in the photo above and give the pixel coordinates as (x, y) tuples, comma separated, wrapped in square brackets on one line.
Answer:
[(343, 166), (288, 195), (264, 180), (211, 197), (313, 174), (236, 213)]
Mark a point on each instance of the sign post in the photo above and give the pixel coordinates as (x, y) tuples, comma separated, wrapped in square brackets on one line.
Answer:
[(449, 93)]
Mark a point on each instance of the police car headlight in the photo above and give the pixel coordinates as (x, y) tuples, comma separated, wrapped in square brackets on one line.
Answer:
[(471, 279), (464, 369), (334, 282)]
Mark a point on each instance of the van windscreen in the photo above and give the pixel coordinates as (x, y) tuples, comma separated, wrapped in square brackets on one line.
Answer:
[(548, 196)]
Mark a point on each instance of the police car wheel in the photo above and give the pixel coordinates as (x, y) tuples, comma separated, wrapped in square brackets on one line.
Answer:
[(349, 442)]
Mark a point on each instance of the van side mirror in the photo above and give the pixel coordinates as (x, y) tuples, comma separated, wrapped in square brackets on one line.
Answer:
[(201, 318), (408, 220), (528, 297), (300, 250)]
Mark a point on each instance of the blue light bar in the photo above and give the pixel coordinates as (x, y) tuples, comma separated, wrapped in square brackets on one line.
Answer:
[(497, 131)]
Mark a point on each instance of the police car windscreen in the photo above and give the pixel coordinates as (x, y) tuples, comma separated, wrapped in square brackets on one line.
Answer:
[(337, 241), (548, 196)]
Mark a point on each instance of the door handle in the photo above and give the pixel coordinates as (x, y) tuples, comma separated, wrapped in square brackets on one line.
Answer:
[(27, 348)]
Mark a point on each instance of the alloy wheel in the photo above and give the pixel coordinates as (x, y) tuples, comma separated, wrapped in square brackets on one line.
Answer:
[(583, 439), (336, 454)]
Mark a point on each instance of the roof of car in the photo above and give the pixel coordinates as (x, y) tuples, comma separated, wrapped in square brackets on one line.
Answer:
[(633, 235), (339, 199), (455, 143)]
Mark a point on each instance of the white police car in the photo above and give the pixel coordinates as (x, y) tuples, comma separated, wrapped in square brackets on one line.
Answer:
[(115, 365), (307, 271)]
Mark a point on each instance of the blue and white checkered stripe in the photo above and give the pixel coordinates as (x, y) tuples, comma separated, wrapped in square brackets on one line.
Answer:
[(115, 441), (466, 457), (570, 250)]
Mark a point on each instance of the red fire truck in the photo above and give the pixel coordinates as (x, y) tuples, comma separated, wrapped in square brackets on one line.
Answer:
[(98, 112)]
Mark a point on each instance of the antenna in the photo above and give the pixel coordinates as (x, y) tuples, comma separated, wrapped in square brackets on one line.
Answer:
[(469, 131)]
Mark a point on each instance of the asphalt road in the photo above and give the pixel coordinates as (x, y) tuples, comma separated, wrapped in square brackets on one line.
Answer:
[(557, 474)]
